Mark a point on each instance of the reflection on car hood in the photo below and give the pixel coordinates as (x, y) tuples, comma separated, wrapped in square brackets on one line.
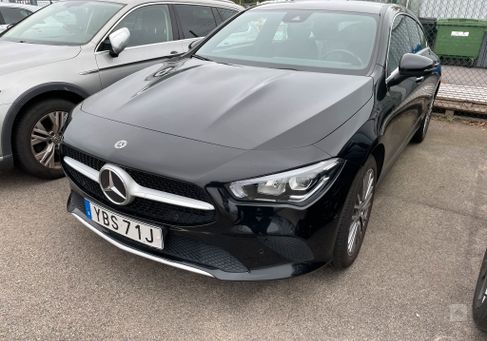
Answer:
[(16, 57), (235, 106)]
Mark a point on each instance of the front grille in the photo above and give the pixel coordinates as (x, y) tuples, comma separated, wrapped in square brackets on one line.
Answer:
[(144, 209)]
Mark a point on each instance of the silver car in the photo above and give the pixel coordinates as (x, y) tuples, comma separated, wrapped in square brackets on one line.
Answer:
[(67, 51), (11, 13)]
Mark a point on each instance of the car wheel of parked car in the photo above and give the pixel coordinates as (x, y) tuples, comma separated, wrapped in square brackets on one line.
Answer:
[(423, 129), (355, 214), (38, 135), (480, 298)]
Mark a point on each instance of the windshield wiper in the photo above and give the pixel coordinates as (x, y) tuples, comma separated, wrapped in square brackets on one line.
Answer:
[(201, 58), (287, 68)]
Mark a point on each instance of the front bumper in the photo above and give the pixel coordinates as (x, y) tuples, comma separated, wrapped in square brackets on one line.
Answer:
[(243, 243), (200, 257), (234, 241)]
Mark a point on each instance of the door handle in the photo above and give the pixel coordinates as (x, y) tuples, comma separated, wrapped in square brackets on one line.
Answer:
[(419, 79), (174, 52)]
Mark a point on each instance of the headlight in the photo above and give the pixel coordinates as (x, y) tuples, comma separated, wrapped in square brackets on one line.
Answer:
[(294, 186)]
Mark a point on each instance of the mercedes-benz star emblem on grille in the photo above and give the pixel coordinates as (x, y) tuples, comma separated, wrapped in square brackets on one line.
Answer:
[(120, 144), (114, 184)]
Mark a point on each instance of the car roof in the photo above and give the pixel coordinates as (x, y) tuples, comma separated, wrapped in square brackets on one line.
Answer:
[(138, 2), (14, 5), (335, 5)]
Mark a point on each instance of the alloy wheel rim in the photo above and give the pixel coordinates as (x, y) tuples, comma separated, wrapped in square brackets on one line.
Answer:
[(361, 211), (45, 138)]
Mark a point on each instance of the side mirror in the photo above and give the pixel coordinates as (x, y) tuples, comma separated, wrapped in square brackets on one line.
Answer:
[(118, 41), (195, 43), (415, 65), (411, 65)]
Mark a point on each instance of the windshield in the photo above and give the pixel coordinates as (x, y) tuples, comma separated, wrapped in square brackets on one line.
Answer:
[(315, 40), (63, 23)]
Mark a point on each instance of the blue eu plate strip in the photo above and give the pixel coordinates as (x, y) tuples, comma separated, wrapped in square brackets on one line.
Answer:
[(88, 209)]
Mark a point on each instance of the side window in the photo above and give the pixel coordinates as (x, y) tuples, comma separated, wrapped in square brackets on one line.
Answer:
[(414, 36), (13, 15), (422, 37), (195, 21), (226, 13), (148, 25), (399, 43)]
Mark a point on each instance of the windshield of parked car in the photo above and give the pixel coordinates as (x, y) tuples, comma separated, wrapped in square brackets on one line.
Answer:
[(316, 40), (63, 23)]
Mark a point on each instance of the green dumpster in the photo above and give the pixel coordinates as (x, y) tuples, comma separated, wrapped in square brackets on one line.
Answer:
[(460, 39)]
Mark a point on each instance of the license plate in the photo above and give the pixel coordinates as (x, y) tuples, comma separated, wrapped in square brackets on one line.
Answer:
[(127, 227)]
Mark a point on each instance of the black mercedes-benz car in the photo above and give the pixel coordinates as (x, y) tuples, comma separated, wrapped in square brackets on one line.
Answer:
[(257, 154)]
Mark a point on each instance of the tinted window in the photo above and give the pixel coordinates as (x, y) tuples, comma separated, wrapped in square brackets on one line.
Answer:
[(422, 37), (195, 21), (314, 40), (225, 13), (63, 23), (148, 25), (13, 15), (414, 37), (399, 44)]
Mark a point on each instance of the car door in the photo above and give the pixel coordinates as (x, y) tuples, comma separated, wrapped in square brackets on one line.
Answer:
[(401, 105), (152, 39)]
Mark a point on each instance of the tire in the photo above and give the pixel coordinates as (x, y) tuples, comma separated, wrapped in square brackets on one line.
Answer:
[(420, 134), (354, 217), (479, 306), (48, 118)]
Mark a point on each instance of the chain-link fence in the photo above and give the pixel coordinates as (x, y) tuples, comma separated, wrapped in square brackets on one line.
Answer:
[(457, 32)]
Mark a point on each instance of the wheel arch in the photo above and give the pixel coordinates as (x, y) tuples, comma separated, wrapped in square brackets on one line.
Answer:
[(66, 91)]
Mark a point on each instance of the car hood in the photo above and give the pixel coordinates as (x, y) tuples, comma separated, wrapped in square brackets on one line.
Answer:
[(235, 106), (177, 157), (16, 57)]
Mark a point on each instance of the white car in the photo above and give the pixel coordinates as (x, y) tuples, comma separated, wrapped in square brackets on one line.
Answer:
[(69, 50), (11, 13)]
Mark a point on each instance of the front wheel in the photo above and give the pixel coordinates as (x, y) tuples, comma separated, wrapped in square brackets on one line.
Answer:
[(354, 218), (38, 135), (479, 306)]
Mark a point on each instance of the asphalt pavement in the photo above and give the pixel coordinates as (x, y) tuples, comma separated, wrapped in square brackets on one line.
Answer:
[(413, 280)]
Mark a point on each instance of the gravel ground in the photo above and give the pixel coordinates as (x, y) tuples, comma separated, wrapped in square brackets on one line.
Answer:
[(414, 279)]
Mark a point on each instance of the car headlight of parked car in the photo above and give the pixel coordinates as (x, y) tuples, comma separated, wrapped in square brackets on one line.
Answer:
[(294, 186)]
